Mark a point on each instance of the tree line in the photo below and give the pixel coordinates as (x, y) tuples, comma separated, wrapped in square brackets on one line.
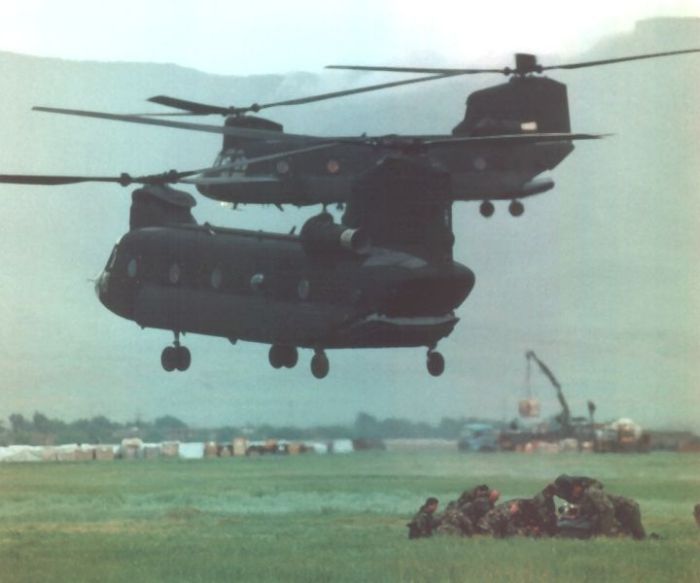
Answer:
[(43, 430)]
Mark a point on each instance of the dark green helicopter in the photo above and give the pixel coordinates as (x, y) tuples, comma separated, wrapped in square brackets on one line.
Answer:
[(511, 134), (385, 277)]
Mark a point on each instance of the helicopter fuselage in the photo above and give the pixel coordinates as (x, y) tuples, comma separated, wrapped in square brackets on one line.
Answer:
[(479, 172), (269, 288)]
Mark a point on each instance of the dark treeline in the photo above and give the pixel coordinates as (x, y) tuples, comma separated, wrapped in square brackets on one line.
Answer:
[(42, 430)]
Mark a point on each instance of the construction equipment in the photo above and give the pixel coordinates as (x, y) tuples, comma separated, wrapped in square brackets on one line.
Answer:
[(564, 418)]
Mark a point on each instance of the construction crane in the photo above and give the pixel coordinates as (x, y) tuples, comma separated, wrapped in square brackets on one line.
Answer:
[(564, 417)]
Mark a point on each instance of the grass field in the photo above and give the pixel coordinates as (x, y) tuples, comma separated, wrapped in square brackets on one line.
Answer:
[(325, 518)]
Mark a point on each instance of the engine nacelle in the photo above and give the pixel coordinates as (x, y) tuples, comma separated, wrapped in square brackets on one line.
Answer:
[(320, 234), (156, 205)]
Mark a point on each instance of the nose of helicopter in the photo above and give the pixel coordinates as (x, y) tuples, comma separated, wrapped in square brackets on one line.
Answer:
[(101, 285)]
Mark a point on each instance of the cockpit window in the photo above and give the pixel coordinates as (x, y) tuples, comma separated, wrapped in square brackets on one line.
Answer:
[(112, 259), (231, 158)]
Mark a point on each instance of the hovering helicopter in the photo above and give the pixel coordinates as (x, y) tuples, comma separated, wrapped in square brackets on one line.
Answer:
[(382, 278), (511, 134)]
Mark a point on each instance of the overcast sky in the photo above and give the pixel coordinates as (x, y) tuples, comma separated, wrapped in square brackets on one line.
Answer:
[(234, 37)]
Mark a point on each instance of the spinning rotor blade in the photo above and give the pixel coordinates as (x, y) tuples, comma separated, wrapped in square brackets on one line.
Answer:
[(620, 60), (196, 108), (515, 138), (191, 107), (170, 177), (214, 129), (434, 70), (321, 142), (123, 179), (50, 180), (524, 64)]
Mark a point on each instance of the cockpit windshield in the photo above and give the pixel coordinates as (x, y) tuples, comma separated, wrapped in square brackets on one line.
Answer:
[(112, 258)]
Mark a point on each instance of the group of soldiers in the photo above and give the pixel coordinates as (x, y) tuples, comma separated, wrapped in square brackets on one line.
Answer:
[(589, 511)]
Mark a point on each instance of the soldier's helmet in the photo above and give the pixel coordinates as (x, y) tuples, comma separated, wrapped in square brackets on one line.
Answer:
[(432, 501), (564, 485), (473, 494)]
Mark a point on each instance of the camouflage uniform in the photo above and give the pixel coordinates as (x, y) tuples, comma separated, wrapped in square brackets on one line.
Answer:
[(534, 516), (628, 518), (461, 516), (481, 491), (595, 508), (454, 522), (545, 511), (499, 521), (607, 514), (422, 524)]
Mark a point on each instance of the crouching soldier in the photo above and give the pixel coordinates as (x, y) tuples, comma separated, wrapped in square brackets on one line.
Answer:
[(540, 513), (462, 515), (502, 520), (602, 513), (424, 522), (628, 518), (454, 522), (595, 512)]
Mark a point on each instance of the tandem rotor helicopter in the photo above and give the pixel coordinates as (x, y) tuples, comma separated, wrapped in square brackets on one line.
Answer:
[(384, 276)]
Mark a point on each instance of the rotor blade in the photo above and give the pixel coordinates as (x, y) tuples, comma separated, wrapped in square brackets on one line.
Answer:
[(124, 179), (438, 72), (508, 70), (192, 107), (230, 180), (619, 60), (214, 129), (514, 138), (48, 180), (164, 178), (364, 89), (196, 108)]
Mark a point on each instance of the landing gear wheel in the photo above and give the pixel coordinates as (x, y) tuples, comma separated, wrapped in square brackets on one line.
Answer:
[(319, 364), (276, 356), (183, 358), (435, 363), (486, 208), (168, 358), (176, 356), (516, 208), (290, 356)]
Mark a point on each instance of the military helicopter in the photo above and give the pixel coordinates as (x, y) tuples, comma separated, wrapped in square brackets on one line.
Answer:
[(382, 278), (511, 133)]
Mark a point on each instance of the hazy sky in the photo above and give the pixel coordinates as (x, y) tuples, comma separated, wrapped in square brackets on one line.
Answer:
[(235, 37)]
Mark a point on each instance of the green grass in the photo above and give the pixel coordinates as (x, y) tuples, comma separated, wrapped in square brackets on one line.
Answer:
[(325, 518)]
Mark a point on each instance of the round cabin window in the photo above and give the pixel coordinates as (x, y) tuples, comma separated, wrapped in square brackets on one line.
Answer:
[(257, 282), (216, 278), (303, 289), (174, 273), (132, 268), (333, 166)]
